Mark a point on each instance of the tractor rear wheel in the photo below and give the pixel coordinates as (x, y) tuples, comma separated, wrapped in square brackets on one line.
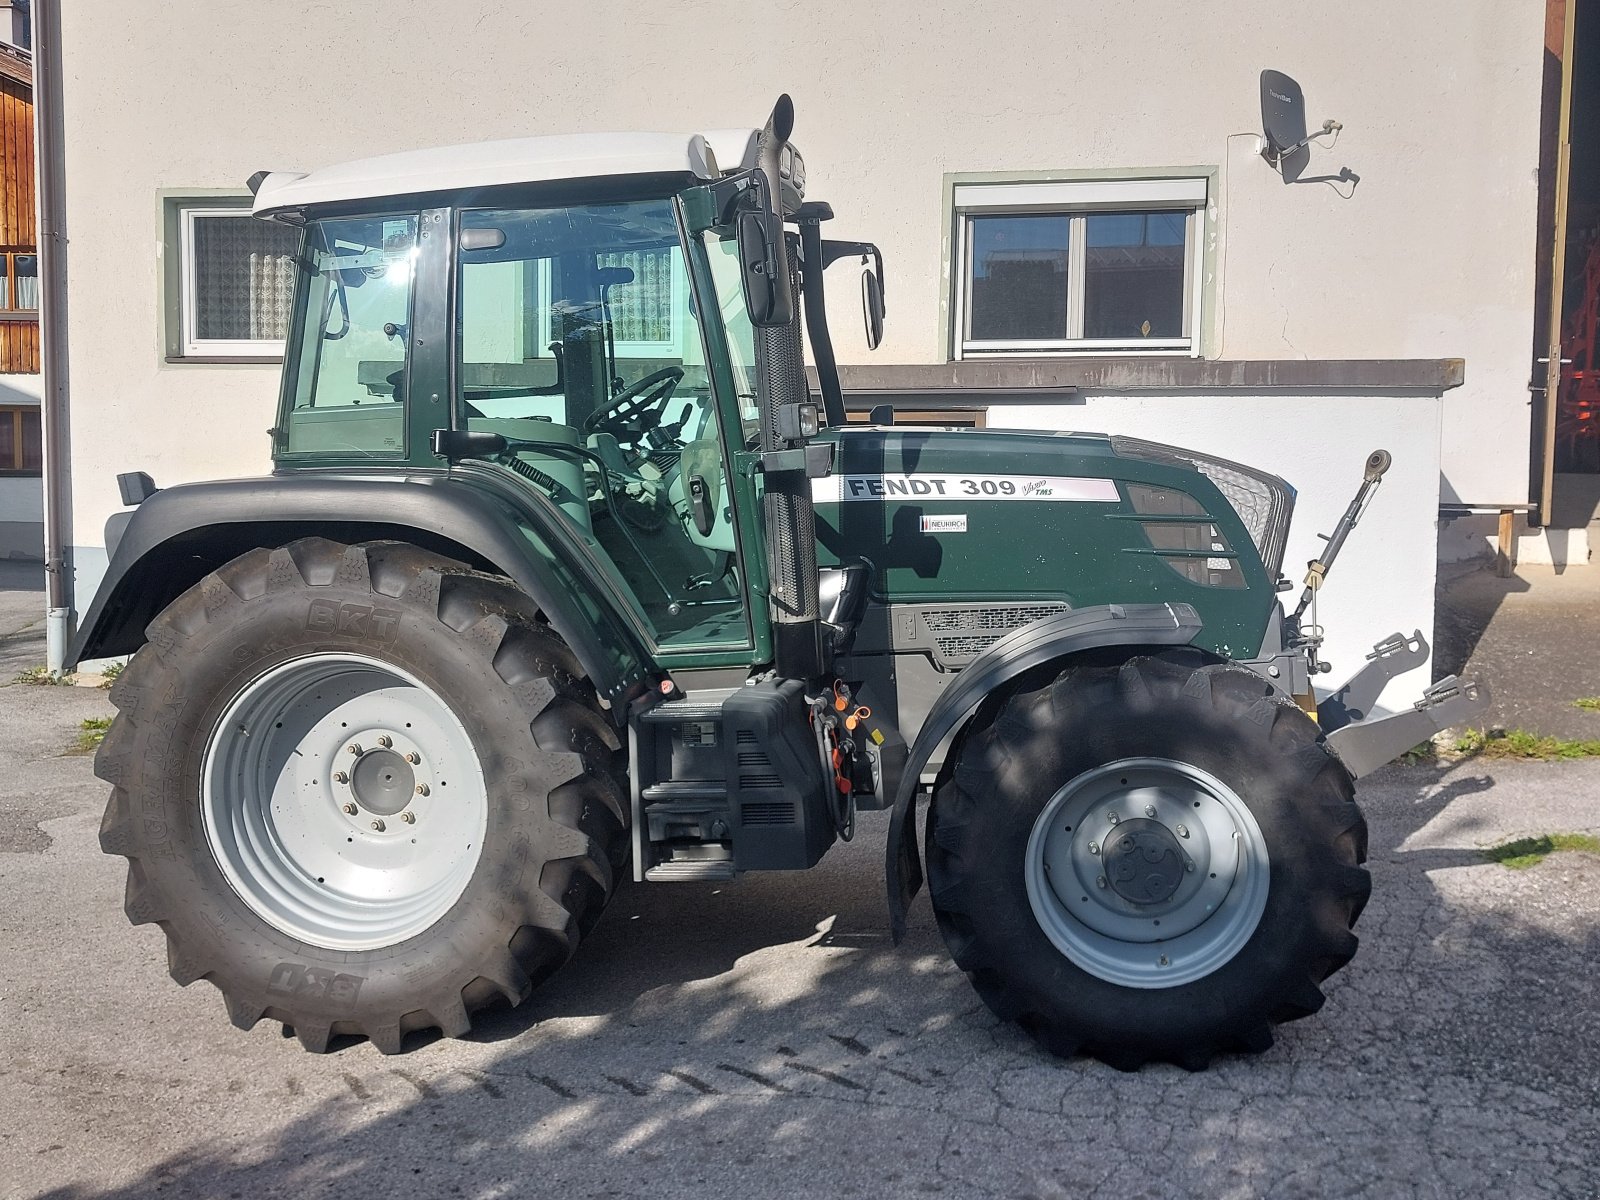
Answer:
[(1152, 860), (363, 789)]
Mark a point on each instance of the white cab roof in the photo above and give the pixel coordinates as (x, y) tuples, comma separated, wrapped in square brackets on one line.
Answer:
[(514, 160)]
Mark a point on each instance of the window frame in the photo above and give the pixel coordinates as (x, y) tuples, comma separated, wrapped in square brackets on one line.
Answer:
[(10, 278), (170, 205), (1078, 196), (190, 345)]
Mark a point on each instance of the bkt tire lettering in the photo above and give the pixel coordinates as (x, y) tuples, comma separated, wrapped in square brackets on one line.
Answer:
[(360, 621)]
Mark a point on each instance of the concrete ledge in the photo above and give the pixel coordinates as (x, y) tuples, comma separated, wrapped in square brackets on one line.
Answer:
[(1134, 374), (1475, 536)]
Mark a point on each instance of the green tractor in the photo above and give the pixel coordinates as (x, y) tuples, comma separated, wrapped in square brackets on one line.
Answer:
[(565, 572)]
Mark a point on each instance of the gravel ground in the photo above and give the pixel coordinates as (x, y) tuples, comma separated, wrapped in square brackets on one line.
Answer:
[(764, 1037)]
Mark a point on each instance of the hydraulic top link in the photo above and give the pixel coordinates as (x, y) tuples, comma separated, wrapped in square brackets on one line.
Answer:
[(1317, 569)]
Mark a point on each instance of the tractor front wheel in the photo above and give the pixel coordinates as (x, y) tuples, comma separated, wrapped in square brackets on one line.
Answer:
[(1153, 860)]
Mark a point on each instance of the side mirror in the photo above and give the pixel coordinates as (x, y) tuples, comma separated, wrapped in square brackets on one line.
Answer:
[(872, 306), (768, 296)]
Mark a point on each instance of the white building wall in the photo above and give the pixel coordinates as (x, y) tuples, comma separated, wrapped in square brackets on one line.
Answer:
[(1431, 257)]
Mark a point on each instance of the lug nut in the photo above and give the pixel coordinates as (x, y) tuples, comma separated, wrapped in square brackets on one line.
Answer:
[(340, 777), (1094, 847), (354, 747), (413, 757), (1149, 810), (1113, 818), (378, 825), (1100, 882), (422, 789), (1188, 865), (350, 810), (1183, 831), (410, 818), (1162, 961), (385, 740)]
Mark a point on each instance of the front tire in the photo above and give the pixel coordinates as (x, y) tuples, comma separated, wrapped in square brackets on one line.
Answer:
[(363, 789), (1154, 860)]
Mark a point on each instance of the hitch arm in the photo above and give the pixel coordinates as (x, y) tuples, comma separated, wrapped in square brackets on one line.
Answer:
[(1364, 746)]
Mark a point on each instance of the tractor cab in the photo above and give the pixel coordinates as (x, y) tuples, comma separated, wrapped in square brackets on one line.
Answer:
[(588, 341)]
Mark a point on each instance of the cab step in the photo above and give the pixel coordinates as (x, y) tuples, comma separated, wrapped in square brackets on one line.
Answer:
[(689, 870)]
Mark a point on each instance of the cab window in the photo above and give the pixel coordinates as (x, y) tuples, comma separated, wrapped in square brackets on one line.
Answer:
[(346, 390)]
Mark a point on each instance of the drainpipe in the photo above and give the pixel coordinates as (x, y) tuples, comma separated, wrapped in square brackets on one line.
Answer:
[(47, 139)]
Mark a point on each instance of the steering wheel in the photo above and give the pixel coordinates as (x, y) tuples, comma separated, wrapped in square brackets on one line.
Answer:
[(655, 388)]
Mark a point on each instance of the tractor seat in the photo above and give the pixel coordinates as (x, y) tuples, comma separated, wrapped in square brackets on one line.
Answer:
[(843, 591)]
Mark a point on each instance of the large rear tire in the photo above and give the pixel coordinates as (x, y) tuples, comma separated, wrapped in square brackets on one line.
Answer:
[(363, 789), (1157, 860)]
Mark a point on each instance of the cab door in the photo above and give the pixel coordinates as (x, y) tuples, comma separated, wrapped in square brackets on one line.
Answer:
[(579, 339)]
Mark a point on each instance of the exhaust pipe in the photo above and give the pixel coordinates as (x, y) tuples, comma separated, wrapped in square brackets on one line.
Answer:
[(791, 530)]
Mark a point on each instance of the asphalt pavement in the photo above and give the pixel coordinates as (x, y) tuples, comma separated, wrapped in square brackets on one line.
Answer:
[(765, 1038)]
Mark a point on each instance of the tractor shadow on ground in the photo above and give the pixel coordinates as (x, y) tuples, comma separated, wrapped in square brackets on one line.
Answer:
[(658, 939)]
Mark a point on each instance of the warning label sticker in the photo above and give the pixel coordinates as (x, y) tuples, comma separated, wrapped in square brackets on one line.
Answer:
[(836, 489)]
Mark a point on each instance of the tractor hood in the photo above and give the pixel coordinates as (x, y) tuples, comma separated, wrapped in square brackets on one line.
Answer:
[(1075, 519)]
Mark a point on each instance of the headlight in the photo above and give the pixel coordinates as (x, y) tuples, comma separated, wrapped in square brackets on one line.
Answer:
[(1264, 502)]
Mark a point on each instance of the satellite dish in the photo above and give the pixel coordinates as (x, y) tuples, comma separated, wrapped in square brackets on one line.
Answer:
[(1283, 120)]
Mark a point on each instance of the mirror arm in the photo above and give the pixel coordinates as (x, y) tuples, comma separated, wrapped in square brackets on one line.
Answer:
[(833, 251), (813, 263)]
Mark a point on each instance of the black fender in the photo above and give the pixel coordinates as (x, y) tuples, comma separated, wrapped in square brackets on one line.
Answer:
[(1031, 646), (179, 534)]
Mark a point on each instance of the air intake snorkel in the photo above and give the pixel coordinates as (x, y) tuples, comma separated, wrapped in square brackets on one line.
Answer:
[(788, 419)]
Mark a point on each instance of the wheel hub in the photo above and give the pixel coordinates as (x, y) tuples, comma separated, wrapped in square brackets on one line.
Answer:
[(1147, 872), (382, 782), (1143, 862)]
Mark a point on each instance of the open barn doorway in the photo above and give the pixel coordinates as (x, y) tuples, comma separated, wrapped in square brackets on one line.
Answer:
[(1567, 371)]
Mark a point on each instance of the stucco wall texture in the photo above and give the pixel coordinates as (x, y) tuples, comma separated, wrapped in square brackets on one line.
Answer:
[(1432, 255)]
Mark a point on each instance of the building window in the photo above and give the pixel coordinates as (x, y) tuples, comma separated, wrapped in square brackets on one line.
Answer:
[(19, 282), (21, 441), (1078, 267), (235, 283)]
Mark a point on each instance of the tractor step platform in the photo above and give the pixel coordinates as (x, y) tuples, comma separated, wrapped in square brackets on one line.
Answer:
[(688, 870)]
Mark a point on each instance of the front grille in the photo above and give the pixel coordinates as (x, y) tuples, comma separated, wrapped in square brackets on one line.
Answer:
[(965, 633)]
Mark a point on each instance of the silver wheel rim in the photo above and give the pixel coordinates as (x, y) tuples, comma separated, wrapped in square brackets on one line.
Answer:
[(343, 801), (1147, 872)]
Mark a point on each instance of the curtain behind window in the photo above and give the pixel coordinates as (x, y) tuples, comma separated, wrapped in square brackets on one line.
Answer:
[(244, 278)]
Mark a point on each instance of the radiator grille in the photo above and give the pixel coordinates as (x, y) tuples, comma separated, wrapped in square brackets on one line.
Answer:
[(964, 633)]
